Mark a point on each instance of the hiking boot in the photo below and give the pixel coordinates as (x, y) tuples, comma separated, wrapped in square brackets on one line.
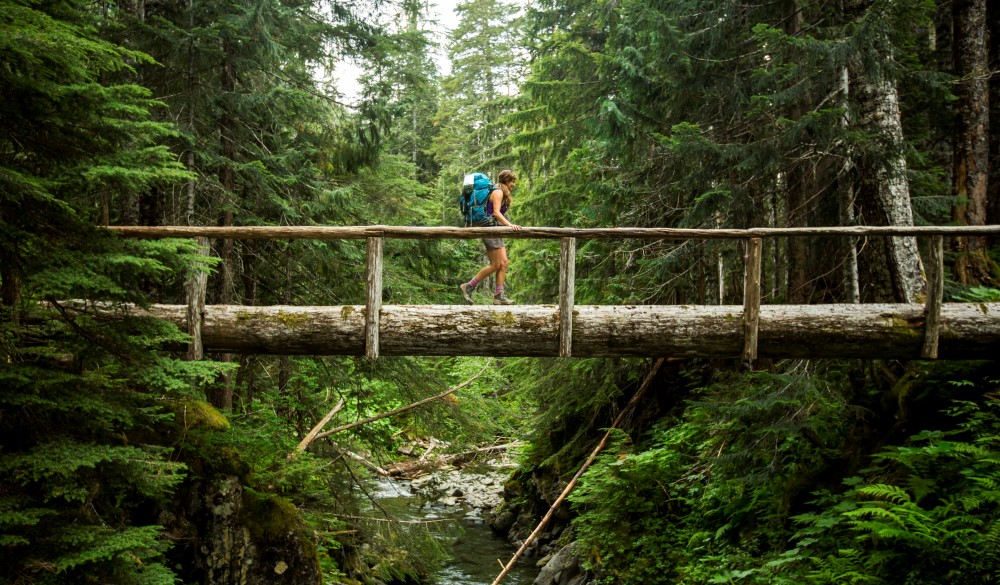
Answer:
[(501, 299), (466, 292)]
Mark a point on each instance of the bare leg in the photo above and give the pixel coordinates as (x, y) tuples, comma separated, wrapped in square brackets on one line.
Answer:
[(494, 265), (501, 262)]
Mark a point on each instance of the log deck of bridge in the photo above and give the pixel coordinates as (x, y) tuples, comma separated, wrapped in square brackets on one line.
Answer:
[(893, 331)]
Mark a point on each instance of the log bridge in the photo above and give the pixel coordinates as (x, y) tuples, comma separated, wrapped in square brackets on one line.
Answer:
[(933, 330)]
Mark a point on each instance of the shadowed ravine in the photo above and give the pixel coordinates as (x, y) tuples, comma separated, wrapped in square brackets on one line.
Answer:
[(473, 547)]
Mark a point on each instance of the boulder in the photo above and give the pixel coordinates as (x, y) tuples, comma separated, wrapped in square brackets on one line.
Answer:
[(564, 568)]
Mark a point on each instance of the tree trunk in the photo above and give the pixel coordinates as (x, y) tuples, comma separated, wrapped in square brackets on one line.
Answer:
[(151, 207), (971, 142), (128, 209), (243, 390), (883, 192), (888, 331), (799, 182), (192, 128), (195, 289), (993, 188), (845, 198), (222, 395), (284, 366)]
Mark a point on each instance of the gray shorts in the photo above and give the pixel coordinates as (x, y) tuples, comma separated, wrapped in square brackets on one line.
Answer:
[(491, 243), (494, 243)]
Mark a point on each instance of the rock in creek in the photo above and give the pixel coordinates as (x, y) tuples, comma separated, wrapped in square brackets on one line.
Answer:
[(452, 487)]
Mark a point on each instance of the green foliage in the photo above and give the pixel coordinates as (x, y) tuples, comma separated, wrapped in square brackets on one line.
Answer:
[(980, 294), (81, 485), (678, 503), (635, 113), (931, 519), (717, 492)]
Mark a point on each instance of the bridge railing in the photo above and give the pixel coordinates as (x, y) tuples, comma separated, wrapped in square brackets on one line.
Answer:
[(753, 239)]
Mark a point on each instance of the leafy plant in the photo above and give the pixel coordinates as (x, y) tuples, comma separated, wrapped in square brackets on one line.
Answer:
[(979, 294), (933, 517)]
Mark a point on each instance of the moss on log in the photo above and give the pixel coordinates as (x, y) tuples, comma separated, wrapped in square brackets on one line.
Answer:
[(890, 331)]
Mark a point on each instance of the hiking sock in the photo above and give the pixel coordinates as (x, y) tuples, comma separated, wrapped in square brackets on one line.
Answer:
[(472, 283), (499, 292)]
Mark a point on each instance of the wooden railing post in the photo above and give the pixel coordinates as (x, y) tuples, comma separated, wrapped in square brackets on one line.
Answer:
[(567, 292), (751, 298), (373, 292), (195, 289), (935, 296)]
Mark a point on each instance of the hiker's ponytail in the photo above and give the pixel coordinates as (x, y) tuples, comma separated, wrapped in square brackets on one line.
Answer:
[(503, 178)]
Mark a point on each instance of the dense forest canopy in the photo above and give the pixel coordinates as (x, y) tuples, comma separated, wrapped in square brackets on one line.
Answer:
[(638, 113)]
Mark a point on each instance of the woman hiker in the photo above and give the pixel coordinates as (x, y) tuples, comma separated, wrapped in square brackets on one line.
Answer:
[(496, 250)]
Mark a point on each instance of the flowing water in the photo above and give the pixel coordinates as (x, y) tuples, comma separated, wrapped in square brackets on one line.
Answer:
[(476, 552)]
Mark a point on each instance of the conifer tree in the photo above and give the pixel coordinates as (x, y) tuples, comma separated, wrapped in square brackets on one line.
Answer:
[(262, 138), (74, 489), (478, 92)]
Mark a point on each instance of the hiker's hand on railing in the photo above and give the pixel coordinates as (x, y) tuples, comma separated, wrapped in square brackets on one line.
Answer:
[(515, 227)]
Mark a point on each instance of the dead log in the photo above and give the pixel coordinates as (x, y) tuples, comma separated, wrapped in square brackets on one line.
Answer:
[(360, 459), (415, 468), (311, 436), (889, 331)]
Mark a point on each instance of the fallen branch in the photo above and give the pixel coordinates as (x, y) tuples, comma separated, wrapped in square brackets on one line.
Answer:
[(422, 466), (404, 408), (309, 438), (361, 460), (494, 448), (434, 443), (569, 487)]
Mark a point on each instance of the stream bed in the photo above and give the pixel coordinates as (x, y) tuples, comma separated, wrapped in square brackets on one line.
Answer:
[(456, 501)]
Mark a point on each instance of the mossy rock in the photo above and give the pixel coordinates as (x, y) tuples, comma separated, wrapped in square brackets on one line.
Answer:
[(283, 542), (269, 516), (201, 434), (190, 414), (202, 415)]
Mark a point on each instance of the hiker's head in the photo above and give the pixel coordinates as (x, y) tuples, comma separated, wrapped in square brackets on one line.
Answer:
[(507, 177)]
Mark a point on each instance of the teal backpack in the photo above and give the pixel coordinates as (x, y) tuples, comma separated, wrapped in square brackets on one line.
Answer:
[(476, 191)]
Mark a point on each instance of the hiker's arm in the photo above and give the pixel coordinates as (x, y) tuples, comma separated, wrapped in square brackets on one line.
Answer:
[(496, 197)]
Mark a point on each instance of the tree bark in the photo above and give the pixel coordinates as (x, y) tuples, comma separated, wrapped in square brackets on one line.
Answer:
[(284, 364), (890, 331), (884, 193), (222, 395), (971, 141), (243, 388), (195, 289), (800, 180), (993, 188), (845, 198)]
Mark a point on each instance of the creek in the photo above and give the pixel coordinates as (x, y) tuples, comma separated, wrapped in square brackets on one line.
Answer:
[(451, 504)]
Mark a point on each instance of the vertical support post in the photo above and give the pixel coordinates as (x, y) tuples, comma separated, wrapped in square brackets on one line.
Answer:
[(935, 296), (567, 292), (373, 291), (751, 298), (195, 289)]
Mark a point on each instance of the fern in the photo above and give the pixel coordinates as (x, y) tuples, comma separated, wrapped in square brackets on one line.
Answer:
[(915, 527)]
